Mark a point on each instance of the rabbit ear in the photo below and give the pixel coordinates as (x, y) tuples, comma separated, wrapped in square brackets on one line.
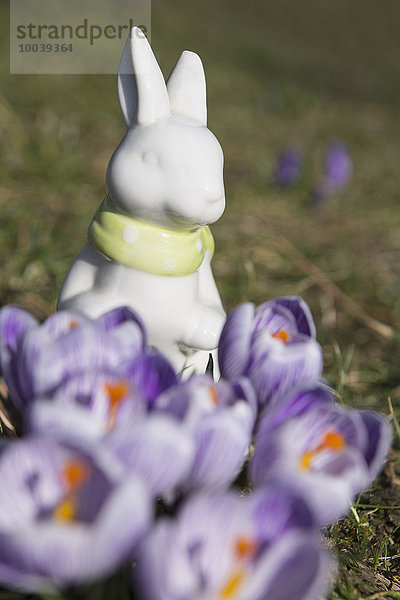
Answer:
[(187, 88), (142, 92)]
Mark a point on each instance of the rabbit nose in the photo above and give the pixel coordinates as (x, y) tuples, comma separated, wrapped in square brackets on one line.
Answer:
[(205, 193)]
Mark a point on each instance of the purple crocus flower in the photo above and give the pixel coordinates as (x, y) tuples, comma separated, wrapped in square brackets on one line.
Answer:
[(88, 405), (338, 166), (151, 373), (232, 548), (329, 452), (109, 410), (158, 449), (68, 515), (220, 418), (337, 171), (35, 359), (273, 345), (289, 167)]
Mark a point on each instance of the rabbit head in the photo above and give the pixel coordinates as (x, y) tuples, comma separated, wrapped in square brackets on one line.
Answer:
[(168, 169)]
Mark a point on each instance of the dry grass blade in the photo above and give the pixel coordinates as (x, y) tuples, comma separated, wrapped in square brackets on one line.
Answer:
[(331, 289), (6, 419)]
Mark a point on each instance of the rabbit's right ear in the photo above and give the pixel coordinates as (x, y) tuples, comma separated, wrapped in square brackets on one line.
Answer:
[(142, 92), (187, 88)]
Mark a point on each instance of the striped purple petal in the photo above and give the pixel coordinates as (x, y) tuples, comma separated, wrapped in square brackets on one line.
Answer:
[(216, 548), (90, 404), (235, 340), (295, 402), (158, 450), (379, 441), (275, 367), (152, 374), (14, 321), (300, 311), (221, 444), (68, 514), (118, 316), (43, 366), (321, 451)]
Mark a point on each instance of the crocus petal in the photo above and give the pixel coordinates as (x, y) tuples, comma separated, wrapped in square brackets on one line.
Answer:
[(276, 367), (273, 317), (277, 508), (234, 343), (61, 323), (43, 366), (74, 554), (38, 549), (115, 317), (152, 374), (295, 402), (295, 567), (244, 389), (379, 441), (301, 312), (153, 577), (221, 447), (202, 553), (82, 406), (158, 450), (14, 321), (321, 452), (47, 418)]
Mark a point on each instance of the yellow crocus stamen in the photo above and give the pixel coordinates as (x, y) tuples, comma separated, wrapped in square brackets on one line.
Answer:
[(74, 473), (305, 460), (233, 585), (332, 440), (282, 335), (65, 510)]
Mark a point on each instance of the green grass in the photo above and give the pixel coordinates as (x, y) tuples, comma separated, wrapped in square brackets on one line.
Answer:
[(278, 72)]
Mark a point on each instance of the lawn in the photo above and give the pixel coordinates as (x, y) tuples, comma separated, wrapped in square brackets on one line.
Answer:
[(278, 72)]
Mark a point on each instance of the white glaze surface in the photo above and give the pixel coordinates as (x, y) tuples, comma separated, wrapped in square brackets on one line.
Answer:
[(167, 170)]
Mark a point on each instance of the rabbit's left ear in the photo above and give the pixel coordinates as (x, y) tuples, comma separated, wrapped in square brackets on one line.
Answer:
[(187, 88), (142, 91)]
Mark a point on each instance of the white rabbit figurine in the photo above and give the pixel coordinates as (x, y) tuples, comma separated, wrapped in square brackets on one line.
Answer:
[(149, 246)]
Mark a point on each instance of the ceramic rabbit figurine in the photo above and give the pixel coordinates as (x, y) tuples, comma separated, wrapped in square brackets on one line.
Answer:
[(149, 246)]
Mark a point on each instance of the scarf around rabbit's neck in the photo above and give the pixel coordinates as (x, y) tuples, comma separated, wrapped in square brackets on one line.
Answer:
[(148, 247)]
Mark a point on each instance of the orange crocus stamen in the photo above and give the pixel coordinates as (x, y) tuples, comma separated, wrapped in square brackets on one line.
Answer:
[(116, 392), (73, 325), (245, 547), (75, 473), (214, 395), (281, 335), (332, 440)]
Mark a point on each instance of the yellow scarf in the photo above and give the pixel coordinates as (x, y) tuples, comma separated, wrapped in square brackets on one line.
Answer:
[(148, 247)]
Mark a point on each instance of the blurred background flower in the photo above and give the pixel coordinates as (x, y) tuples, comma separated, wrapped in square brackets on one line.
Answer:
[(289, 166), (336, 174)]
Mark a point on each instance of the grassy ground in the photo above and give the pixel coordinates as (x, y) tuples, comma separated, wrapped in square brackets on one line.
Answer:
[(278, 72)]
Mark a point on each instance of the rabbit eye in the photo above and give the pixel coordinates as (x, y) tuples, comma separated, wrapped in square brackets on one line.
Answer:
[(150, 158)]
